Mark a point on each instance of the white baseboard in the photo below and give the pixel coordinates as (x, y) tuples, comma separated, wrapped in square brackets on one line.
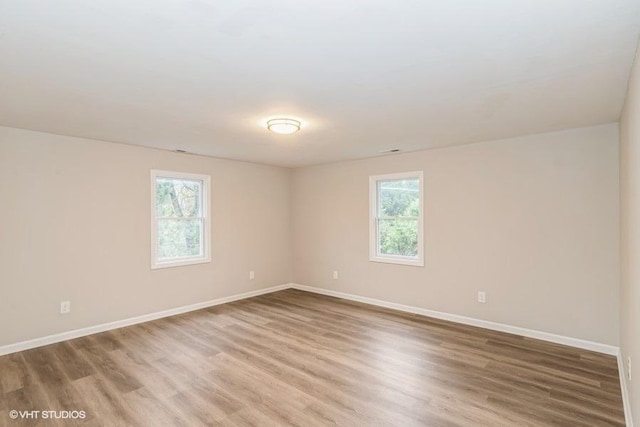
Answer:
[(625, 391), (530, 333), (545, 336), (51, 339)]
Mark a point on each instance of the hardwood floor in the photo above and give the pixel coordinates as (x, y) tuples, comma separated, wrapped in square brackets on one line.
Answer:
[(295, 358)]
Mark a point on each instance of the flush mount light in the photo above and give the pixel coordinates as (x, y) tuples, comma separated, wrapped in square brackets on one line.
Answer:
[(283, 126)]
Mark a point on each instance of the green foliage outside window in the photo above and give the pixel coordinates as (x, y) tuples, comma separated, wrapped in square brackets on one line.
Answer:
[(179, 216), (398, 212)]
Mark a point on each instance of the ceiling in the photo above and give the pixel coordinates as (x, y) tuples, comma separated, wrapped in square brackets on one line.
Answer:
[(362, 76)]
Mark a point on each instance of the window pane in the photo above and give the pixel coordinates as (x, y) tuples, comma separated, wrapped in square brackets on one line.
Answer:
[(178, 198), (179, 238), (398, 237), (399, 198)]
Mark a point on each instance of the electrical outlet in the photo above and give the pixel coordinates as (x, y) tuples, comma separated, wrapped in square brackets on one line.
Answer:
[(252, 275), (65, 307), (629, 367), (335, 275), (482, 297)]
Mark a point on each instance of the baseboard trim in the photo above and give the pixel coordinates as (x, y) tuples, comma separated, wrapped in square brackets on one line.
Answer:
[(625, 391), (51, 339), (530, 333)]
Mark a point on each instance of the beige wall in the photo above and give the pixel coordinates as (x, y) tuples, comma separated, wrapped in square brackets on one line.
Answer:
[(630, 233), (532, 221), (75, 225)]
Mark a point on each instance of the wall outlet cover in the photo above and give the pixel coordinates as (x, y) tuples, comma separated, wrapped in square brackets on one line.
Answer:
[(65, 307), (482, 297)]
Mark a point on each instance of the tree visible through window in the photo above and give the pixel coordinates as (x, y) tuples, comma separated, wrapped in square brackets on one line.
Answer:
[(180, 218), (399, 212), (397, 218)]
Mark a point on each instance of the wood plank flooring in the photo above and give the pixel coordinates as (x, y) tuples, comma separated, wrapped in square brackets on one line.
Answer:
[(295, 358)]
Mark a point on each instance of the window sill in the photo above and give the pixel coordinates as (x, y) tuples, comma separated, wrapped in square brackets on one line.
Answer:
[(398, 260), (179, 263)]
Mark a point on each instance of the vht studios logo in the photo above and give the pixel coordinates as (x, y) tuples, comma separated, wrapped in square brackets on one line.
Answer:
[(46, 415)]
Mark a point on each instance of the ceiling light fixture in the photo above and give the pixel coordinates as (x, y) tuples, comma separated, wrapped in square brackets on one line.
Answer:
[(283, 126)]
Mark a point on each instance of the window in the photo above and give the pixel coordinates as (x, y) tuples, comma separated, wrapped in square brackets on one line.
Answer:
[(179, 219), (396, 219)]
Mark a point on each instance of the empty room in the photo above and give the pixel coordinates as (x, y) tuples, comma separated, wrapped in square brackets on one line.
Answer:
[(315, 213)]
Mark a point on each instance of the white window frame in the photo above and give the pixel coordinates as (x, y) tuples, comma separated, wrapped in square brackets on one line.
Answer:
[(206, 222), (374, 247)]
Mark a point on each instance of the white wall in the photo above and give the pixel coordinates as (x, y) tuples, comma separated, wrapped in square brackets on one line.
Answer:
[(75, 225), (630, 233), (533, 221)]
